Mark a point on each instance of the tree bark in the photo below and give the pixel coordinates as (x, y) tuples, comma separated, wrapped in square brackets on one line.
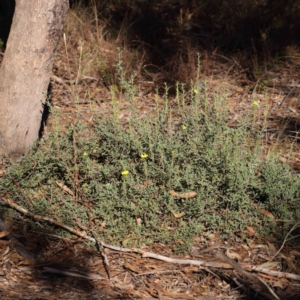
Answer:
[(25, 72)]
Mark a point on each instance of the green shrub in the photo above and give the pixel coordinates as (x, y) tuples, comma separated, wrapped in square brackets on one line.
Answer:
[(123, 175)]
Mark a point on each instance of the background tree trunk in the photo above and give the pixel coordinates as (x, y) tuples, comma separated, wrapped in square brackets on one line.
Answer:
[(25, 71)]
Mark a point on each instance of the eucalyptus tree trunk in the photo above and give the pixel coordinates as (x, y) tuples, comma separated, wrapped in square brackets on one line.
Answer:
[(25, 71)]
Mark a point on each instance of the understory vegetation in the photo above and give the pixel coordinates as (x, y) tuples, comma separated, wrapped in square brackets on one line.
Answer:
[(163, 178), (182, 172)]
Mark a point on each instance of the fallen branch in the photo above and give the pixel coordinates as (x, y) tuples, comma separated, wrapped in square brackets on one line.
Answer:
[(67, 272), (271, 272), (286, 239), (116, 248), (251, 277), (200, 263), (50, 220)]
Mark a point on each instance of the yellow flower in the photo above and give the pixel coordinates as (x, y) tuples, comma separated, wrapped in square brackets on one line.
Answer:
[(124, 173), (144, 155), (85, 154), (184, 127), (196, 91), (255, 103)]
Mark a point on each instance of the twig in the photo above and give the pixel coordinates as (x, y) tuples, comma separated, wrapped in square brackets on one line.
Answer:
[(116, 248), (169, 259), (22, 192), (55, 236), (63, 82), (104, 256), (252, 277), (256, 84), (201, 263), (272, 272), (76, 171), (209, 271), (47, 219), (157, 272), (66, 272), (285, 240), (287, 96)]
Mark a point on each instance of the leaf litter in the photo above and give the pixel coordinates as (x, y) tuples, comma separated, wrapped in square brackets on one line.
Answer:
[(41, 266)]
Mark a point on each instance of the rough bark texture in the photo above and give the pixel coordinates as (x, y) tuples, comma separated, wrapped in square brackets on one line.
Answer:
[(25, 71)]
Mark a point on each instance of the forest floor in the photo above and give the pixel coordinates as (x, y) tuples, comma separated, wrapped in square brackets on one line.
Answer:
[(259, 269), (68, 269)]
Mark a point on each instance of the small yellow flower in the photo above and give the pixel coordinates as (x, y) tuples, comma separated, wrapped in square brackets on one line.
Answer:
[(184, 127), (144, 155), (85, 154), (196, 91), (124, 173), (255, 103)]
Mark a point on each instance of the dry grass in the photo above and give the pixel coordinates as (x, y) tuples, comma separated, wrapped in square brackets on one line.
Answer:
[(90, 50)]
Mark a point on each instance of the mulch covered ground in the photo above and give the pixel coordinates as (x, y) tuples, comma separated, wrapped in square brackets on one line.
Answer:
[(56, 268), (40, 266)]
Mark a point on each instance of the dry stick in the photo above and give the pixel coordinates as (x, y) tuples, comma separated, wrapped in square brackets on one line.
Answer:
[(252, 277), (28, 213), (157, 272), (20, 248), (104, 256), (256, 84), (285, 240), (106, 263), (63, 82), (53, 235), (209, 271), (22, 192), (85, 275), (116, 248), (75, 164), (271, 272), (287, 96), (201, 263)]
